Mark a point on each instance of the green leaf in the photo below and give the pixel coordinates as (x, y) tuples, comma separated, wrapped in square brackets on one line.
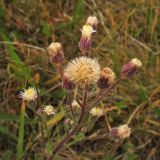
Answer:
[(77, 138), (132, 156), (38, 157), (108, 158), (121, 105), (6, 155), (1, 10), (143, 93), (60, 93), (79, 11), (6, 131), (56, 118), (20, 72), (10, 49), (17, 68), (49, 147), (46, 29), (157, 111)]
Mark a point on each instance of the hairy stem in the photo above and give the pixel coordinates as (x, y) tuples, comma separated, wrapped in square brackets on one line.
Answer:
[(75, 129)]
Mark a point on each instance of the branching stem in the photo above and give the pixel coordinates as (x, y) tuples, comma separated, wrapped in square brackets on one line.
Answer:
[(75, 129)]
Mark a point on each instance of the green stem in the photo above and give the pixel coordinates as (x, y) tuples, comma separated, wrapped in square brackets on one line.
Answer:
[(21, 132)]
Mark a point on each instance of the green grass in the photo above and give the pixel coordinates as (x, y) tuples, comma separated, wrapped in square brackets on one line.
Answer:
[(134, 28)]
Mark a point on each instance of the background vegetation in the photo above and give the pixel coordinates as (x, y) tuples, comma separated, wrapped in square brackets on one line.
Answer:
[(127, 29)]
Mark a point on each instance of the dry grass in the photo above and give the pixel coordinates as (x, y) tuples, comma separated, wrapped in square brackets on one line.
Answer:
[(127, 29)]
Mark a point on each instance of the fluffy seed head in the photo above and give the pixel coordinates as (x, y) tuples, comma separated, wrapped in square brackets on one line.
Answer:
[(97, 111), (92, 21), (49, 110), (29, 94), (122, 131), (107, 77), (56, 52), (129, 69), (83, 71)]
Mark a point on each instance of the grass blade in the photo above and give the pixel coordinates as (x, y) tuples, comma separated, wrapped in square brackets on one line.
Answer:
[(7, 117)]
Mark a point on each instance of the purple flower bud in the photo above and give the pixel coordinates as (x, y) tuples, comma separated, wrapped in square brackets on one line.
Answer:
[(67, 83), (85, 41), (129, 69), (92, 21), (56, 53), (107, 77)]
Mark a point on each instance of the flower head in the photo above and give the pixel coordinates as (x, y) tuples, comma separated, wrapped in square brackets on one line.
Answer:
[(129, 69), (92, 21), (87, 31), (75, 104), (97, 111), (83, 71), (107, 77), (56, 53), (122, 131), (29, 94), (49, 110), (85, 41)]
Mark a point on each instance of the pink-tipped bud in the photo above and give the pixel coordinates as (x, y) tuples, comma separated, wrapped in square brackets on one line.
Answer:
[(67, 83), (56, 52), (121, 132), (85, 41), (129, 69), (106, 78), (92, 21), (84, 130), (68, 121)]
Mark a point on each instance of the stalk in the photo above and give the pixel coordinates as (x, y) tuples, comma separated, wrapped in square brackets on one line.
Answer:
[(75, 129), (100, 96), (21, 132)]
